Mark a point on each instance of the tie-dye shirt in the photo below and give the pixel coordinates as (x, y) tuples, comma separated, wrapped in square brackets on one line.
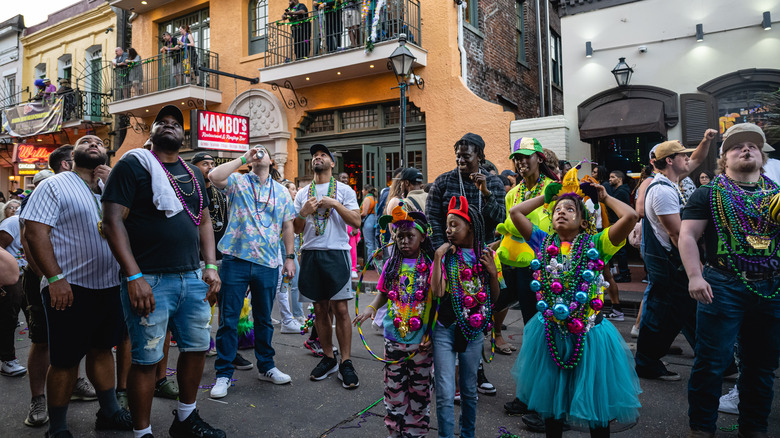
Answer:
[(257, 212)]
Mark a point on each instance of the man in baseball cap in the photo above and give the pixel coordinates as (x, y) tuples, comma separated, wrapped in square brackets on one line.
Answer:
[(170, 110), (321, 147), (742, 133)]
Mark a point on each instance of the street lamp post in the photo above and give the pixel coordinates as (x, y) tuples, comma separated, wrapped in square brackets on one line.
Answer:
[(401, 61)]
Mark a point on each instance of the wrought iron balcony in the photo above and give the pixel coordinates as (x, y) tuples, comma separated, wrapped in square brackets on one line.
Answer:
[(326, 32), (164, 72)]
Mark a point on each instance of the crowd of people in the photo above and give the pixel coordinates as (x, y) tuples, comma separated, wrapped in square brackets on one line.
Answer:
[(156, 249)]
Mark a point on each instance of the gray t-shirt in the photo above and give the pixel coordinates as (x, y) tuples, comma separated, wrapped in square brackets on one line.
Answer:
[(71, 209), (11, 226), (335, 235)]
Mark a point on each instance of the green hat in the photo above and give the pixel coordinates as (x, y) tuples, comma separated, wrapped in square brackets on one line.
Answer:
[(526, 146)]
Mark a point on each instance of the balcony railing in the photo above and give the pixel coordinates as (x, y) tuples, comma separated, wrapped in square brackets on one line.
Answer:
[(79, 105), (165, 72), (324, 32)]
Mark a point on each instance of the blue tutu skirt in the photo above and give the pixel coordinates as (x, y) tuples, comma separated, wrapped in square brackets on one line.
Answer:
[(603, 387)]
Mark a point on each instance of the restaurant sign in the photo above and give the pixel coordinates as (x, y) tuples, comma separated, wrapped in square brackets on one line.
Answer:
[(219, 131), (30, 153)]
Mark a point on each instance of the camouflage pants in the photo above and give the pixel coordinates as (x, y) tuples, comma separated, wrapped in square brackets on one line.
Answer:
[(407, 391)]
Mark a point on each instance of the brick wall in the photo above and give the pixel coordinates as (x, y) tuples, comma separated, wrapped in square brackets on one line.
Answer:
[(493, 69)]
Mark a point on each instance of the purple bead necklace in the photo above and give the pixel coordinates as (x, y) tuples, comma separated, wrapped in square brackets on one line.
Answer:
[(195, 218)]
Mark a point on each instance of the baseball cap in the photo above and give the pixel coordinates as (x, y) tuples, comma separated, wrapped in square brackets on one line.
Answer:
[(42, 175), (412, 175), (170, 110), (526, 146), (742, 132), (652, 152), (321, 147), (201, 156), (670, 147)]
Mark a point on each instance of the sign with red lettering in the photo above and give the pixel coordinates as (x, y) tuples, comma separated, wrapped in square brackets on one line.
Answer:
[(30, 153), (219, 131)]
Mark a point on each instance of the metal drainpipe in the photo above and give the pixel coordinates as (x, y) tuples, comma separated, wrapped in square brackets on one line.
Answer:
[(549, 57), (461, 48), (539, 59)]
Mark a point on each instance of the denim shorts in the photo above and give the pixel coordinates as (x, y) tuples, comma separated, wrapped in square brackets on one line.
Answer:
[(179, 306)]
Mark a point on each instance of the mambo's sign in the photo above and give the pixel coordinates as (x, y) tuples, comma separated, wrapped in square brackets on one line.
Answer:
[(29, 153), (219, 131)]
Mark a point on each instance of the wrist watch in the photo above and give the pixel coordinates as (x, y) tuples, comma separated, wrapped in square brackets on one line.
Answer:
[(291, 256)]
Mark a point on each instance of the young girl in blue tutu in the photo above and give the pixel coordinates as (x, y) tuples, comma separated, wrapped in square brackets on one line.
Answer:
[(465, 277), (574, 366)]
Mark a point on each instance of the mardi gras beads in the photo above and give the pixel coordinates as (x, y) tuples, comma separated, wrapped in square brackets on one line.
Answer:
[(469, 286), (309, 322), (321, 219), (407, 300)]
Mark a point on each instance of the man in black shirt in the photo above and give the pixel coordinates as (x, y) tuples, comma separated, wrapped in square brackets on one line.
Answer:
[(622, 192), (297, 13), (155, 234), (737, 291), (217, 201)]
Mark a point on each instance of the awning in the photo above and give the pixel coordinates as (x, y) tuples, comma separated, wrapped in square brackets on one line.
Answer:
[(621, 117)]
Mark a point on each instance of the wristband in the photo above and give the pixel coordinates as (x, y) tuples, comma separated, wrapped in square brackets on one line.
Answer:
[(214, 267), (243, 159), (301, 217), (57, 277), (135, 277), (372, 308)]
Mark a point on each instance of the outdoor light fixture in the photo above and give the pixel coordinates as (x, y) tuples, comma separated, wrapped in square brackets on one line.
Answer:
[(401, 61), (622, 73), (767, 22), (699, 33), (588, 49)]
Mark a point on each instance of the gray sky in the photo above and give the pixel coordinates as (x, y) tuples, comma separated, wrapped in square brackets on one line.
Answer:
[(34, 11)]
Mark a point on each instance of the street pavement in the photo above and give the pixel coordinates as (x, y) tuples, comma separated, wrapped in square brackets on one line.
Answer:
[(324, 409)]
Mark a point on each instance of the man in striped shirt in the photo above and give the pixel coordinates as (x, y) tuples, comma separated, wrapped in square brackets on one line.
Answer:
[(83, 309)]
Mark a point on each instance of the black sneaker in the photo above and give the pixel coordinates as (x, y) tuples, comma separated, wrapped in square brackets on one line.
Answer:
[(347, 375), (483, 385), (121, 420), (669, 376), (622, 279), (516, 407), (533, 422), (326, 367), (193, 426), (242, 364)]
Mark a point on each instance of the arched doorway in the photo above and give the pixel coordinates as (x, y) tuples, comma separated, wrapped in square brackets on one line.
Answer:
[(267, 122)]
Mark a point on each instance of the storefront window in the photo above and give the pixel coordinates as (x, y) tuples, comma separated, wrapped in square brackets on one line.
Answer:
[(629, 153)]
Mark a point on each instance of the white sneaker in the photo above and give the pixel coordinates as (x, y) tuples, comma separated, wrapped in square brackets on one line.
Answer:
[(12, 368), (220, 387), (275, 376), (354, 274), (291, 327), (729, 402), (634, 331), (275, 321), (300, 319)]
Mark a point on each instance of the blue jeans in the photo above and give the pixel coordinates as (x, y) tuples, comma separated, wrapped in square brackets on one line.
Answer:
[(444, 379), (735, 314), (667, 311), (179, 305), (236, 275), (369, 239)]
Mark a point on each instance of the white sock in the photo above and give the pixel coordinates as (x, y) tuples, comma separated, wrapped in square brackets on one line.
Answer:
[(140, 433), (184, 410)]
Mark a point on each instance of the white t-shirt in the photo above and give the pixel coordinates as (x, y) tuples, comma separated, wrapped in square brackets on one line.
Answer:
[(660, 201), (11, 226), (335, 235), (772, 170)]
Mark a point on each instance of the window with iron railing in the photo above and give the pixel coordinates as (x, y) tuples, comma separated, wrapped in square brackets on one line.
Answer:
[(258, 20)]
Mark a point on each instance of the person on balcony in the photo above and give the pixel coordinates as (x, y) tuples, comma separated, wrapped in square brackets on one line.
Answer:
[(68, 96), (120, 73), (188, 48), (332, 23), (352, 21), (172, 60), (301, 30), (136, 74)]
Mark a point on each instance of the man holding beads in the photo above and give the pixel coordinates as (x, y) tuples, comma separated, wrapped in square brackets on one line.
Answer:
[(325, 208), (737, 291), (261, 215), (156, 233), (83, 308)]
